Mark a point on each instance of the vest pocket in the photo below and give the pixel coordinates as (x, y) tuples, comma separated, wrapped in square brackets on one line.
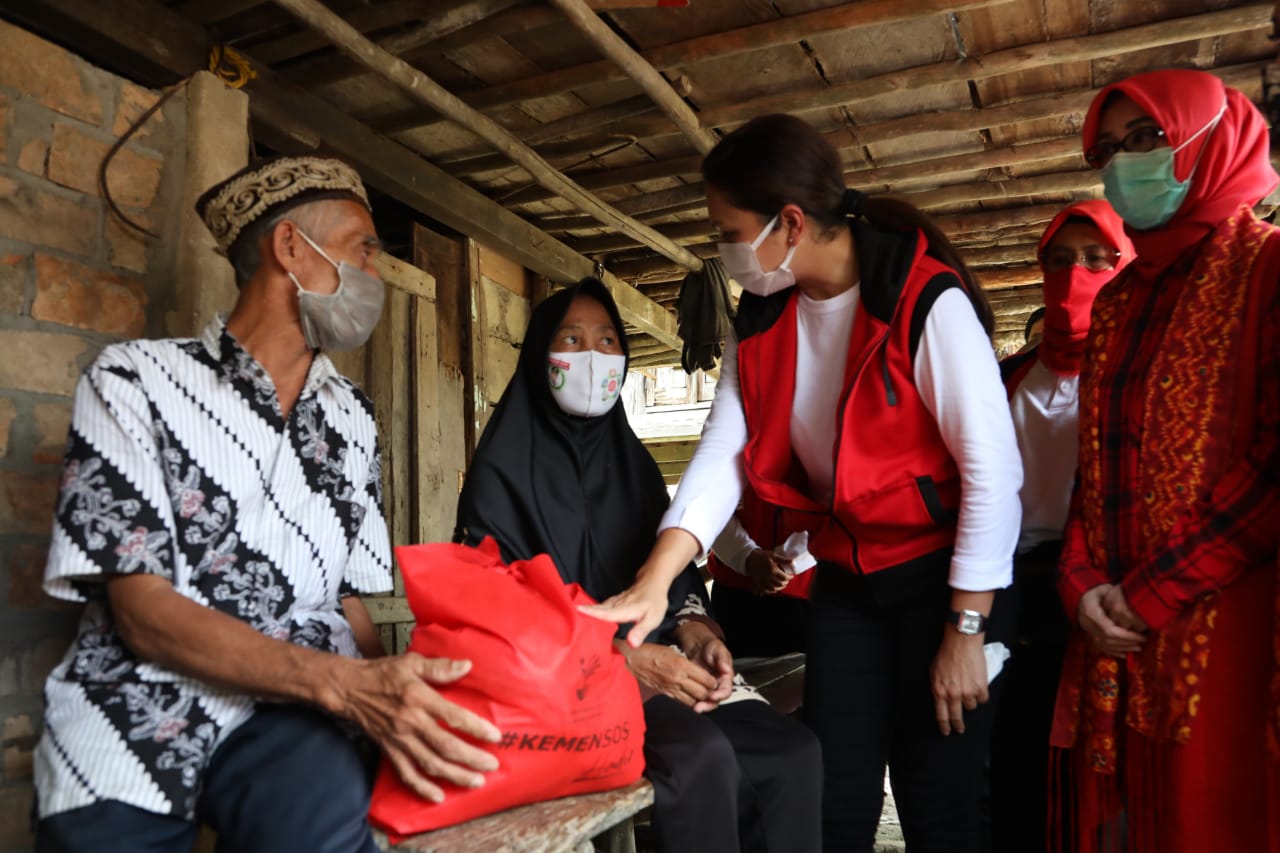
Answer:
[(933, 501), (891, 512)]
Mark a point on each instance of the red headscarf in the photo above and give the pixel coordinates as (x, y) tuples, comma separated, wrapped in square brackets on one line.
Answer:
[(1234, 168), (1069, 293)]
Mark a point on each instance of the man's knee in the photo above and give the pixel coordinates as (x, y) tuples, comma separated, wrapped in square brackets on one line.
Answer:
[(292, 780)]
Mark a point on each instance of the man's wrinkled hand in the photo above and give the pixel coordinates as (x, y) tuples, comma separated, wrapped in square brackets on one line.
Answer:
[(392, 700)]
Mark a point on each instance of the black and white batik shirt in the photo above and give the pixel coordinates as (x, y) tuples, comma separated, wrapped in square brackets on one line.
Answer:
[(180, 464)]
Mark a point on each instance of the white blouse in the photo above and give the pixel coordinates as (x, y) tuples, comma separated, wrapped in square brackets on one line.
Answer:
[(1046, 416)]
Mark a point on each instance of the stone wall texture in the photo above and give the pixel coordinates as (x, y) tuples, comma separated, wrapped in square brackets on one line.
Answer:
[(73, 278)]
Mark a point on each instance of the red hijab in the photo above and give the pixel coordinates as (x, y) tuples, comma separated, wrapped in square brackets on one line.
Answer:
[(1069, 293), (1234, 168)]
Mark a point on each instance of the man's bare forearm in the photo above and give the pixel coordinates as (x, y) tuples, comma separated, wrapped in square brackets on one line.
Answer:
[(162, 626)]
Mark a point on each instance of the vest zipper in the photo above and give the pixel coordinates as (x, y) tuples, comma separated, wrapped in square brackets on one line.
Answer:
[(840, 410)]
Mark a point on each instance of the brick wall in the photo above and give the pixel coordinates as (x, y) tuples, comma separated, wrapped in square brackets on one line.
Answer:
[(72, 279)]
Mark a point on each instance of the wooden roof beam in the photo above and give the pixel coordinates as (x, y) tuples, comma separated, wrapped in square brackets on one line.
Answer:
[(1051, 184), (766, 34), (326, 70), (960, 224), (909, 170), (683, 233), (180, 46), (1022, 58), (423, 89), (1019, 254), (645, 75), (1004, 278), (365, 19)]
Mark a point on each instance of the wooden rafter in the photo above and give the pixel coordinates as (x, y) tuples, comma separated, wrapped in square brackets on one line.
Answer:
[(422, 88), (177, 45), (766, 34), (638, 69), (1022, 58)]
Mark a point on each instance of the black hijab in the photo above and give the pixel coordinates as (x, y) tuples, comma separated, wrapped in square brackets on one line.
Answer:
[(583, 490)]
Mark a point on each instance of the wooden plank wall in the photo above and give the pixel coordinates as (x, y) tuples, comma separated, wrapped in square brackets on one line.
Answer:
[(442, 354)]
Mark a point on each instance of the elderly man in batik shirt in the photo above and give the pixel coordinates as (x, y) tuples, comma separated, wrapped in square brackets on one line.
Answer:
[(220, 513)]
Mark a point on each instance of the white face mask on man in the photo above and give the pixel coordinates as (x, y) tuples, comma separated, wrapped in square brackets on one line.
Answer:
[(585, 384), (344, 319), (742, 265)]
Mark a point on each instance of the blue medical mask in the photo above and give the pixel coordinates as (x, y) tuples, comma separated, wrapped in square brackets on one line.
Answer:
[(1142, 187)]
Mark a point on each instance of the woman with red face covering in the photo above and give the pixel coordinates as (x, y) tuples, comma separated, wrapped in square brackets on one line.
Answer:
[(1167, 710), (1083, 248)]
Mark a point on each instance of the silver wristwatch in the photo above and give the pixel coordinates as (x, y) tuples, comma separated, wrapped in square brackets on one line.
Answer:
[(968, 622)]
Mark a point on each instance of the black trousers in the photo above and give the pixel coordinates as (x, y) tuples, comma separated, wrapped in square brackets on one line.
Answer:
[(741, 777), (759, 625), (869, 700), (286, 780), (1020, 740)]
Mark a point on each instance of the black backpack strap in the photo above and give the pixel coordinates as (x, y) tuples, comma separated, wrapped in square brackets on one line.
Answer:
[(935, 287)]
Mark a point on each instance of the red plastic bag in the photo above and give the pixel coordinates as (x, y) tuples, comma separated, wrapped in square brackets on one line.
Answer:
[(547, 675)]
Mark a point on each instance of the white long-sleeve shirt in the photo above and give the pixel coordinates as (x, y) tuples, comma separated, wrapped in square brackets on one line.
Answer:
[(1046, 417), (959, 383)]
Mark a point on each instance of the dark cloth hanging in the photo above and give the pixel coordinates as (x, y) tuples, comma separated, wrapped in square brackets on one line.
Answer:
[(583, 490), (704, 316)]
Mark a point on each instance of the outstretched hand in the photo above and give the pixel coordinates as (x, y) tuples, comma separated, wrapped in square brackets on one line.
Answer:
[(643, 604)]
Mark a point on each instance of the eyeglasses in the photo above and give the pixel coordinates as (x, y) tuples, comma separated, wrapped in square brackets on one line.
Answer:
[(1096, 258), (1137, 141)]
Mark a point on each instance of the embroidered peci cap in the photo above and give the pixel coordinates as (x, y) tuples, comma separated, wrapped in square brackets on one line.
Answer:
[(270, 187)]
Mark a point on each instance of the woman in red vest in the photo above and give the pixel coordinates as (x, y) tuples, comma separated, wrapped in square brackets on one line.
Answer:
[(863, 392), (1169, 706)]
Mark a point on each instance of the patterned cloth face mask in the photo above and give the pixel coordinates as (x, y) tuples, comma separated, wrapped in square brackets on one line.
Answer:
[(344, 319), (585, 384)]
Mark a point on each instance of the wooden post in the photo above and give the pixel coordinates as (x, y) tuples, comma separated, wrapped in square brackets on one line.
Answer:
[(475, 388), (423, 89), (646, 76), (217, 146), (444, 259)]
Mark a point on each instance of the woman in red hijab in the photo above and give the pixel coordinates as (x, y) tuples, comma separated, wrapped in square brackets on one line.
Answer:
[(1083, 248), (1167, 710)]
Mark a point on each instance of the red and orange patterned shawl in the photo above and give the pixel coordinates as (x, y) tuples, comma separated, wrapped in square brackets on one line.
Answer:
[(1189, 438)]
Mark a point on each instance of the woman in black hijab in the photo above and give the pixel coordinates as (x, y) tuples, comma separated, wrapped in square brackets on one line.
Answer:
[(559, 471)]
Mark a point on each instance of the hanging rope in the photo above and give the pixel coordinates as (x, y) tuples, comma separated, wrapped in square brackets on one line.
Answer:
[(227, 65)]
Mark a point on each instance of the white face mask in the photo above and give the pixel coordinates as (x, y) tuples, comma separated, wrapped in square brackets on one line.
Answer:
[(742, 265), (585, 384), (344, 319)]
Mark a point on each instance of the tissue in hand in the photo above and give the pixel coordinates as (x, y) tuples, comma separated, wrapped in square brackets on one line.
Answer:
[(796, 549)]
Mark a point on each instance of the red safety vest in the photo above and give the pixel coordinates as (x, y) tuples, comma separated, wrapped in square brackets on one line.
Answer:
[(897, 489)]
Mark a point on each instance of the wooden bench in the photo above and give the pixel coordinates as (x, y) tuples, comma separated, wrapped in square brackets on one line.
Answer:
[(568, 825)]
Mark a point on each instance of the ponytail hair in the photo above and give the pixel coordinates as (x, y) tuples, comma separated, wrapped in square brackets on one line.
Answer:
[(776, 160)]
